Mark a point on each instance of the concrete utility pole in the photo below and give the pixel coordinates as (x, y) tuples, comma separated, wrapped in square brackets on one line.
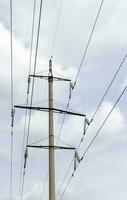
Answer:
[(51, 110), (51, 137)]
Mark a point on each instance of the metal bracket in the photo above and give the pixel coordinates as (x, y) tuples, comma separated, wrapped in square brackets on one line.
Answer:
[(54, 147), (55, 110), (53, 77)]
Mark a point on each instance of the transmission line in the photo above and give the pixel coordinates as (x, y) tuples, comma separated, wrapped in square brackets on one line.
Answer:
[(52, 50), (56, 27), (31, 100), (75, 82), (89, 40), (27, 98), (119, 68), (79, 69), (85, 152), (12, 99), (102, 99), (84, 55)]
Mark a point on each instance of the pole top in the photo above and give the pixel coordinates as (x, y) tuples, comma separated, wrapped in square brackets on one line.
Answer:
[(50, 67)]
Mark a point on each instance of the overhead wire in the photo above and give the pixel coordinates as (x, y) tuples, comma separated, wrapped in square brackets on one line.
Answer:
[(119, 68), (82, 60), (75, 82), (52, 50), (88, 147), (12, 98), (44, 185), (56, 27), (93, 116), (32, 90), (89, 40), (84, 55), (27, 98)]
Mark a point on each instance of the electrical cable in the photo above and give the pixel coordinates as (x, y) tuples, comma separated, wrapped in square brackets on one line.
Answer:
[(79, 69), (119, 68), (102, 99), (56, 27), (85, 152), (27, 98), (89, 40), (32, 91), (84, 55), (44, 184), (12, 99)]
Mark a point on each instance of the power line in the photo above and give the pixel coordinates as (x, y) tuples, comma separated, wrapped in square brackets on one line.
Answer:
[(102, 99), (56, 27), (85, 152), (35, 61), (89, 40), (79, 69), (53, 47), (84, 55), (44, 184), (27, 98), (31, 100), (65, 177), (114, 77), (104, 122), (12, 100)]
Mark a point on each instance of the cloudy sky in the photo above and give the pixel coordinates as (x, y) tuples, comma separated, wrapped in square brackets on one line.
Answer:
[(102, 174)]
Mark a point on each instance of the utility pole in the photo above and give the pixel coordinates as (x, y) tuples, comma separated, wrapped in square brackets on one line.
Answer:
[(51, 147), (51, 137)]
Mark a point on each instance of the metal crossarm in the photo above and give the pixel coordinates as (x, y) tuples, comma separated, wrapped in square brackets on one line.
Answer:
[(55, 110), (53, 77), (54, 147)]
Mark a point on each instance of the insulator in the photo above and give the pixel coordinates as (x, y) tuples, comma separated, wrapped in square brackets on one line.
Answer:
[(81, 158), (12, 117), (25, 157), (77, 156), (75, 163), (91, 120), (87, 121), (24, 164), (84, 131), (26, 153), (70, 92), (70, 89), (29, 80), (71, 85)]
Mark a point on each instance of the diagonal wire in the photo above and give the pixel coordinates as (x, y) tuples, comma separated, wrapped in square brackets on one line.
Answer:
[(84, 55), (52, 50), (89, 40), (56, 27), (85, 152), (12, 99), (44, 185), (119, 68), (79, 69), (32, 91), (102, 99), (75, 82), (27, 98)]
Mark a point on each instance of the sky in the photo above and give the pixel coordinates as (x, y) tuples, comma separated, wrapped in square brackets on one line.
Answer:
[(102, 173)]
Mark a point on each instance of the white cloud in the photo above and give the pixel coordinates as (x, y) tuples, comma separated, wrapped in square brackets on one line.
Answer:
[(103, 175)]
